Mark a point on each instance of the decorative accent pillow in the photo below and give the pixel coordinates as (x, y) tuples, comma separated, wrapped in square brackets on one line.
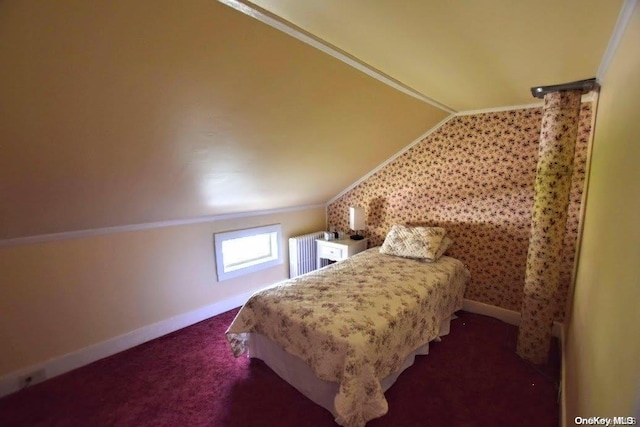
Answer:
[(413, 242), (444, 245)]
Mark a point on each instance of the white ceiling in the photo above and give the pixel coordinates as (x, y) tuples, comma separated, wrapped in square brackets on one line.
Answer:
[(465, 54)]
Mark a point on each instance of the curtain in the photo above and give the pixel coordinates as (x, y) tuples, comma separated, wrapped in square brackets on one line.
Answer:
[(549, 217)]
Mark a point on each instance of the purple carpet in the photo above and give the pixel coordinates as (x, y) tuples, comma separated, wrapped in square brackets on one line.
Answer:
[(190, 378)]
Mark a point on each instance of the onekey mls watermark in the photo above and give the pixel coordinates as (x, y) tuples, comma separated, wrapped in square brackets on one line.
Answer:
[(606, 421)]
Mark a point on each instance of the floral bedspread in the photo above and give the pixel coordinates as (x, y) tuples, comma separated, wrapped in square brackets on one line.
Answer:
[(355, 321)]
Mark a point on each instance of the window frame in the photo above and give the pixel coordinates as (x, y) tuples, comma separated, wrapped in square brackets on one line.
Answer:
[(219, 238)]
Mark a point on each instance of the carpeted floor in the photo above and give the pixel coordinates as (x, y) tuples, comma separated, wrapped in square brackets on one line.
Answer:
[(190, 378)]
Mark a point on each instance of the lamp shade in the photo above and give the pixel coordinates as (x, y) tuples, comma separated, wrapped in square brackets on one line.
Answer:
[(356, 218)]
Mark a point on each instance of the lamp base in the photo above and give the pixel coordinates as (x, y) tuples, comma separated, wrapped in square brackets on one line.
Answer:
[(356, 237)]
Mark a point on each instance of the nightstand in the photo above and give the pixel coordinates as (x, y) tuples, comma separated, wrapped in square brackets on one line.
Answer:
[(337, 250)]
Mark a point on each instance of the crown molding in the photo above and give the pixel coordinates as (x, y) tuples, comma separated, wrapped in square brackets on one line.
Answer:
[(621, 25), (587, 97), (500, 109), (66, 235)]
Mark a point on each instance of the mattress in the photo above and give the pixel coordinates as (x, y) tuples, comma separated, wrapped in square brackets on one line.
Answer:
[(355, 322)]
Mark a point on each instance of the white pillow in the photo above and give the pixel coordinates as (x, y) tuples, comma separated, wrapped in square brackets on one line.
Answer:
[(413, 242)]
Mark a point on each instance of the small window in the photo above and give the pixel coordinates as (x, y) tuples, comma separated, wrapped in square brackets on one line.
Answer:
[(245, 251)]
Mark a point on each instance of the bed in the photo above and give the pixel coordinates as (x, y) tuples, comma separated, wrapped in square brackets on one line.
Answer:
[(342, 334)]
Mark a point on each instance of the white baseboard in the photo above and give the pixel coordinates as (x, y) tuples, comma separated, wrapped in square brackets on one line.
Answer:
[(508, 316), (10, 383)]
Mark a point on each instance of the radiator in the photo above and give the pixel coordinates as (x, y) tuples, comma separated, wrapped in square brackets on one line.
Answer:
[(302, 253)]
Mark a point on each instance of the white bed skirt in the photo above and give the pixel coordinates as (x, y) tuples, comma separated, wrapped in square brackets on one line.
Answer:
[(294, 371)]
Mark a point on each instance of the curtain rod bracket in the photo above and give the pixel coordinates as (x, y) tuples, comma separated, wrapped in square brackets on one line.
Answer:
[(585, 86)]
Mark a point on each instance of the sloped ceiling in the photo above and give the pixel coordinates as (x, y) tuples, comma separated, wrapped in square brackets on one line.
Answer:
[(124, 112), (466, 54)]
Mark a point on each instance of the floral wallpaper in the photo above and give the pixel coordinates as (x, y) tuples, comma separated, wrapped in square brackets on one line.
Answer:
[(475, 177)]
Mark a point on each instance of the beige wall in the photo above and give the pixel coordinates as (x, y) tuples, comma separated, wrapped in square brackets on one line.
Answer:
[(61, 296), (603, 343)]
